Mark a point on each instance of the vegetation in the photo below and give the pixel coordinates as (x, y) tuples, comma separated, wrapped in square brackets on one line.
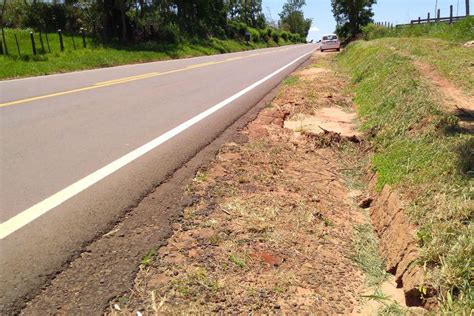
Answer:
[(292, 18), (351, 16), (125, 31), (421, 150), (459, 32), (100, 55)]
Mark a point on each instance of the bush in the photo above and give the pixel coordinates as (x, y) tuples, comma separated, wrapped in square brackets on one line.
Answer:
[(264, 35), (275, 36), (254, 34), (285, 36), (169, 33)]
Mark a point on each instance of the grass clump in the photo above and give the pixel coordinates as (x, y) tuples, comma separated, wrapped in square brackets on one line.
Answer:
[(419, 151), (291, 81), (148, 258), (366, 254)]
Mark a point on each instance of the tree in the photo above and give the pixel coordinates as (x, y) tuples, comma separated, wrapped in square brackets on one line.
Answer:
[(248, 12), (352, 15), (292, 18)]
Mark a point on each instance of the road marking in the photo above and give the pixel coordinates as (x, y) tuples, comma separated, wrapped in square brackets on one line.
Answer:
[(27, 216), (121, 79), (132, 78)]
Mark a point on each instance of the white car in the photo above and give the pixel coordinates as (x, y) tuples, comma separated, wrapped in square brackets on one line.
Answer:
[(330, 41)]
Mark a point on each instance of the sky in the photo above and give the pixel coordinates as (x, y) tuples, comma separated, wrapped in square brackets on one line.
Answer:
[(393, 11)]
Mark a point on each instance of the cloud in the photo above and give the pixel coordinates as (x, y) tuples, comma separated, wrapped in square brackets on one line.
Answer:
[(314, 29)]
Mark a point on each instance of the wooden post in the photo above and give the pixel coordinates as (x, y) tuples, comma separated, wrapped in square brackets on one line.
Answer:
[(428, 18), (61, 43), (17, 45), (83, 34), (451, 14), (33, 45), (1, 47), (439, 15), (4, 41), (47, 42), (41, 42), (468, 11), (73, 42), (419, 20)]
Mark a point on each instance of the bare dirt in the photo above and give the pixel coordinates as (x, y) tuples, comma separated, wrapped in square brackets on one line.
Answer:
[(271, 223)]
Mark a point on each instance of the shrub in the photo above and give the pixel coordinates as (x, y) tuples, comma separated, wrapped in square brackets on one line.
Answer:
[(169, 33), (276, 36), (254, 34)]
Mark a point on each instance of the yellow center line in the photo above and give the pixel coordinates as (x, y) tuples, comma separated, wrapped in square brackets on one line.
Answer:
[(142, 76), (132, 78)]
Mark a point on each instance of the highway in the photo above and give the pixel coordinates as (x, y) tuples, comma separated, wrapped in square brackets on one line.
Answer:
[(79, 149)]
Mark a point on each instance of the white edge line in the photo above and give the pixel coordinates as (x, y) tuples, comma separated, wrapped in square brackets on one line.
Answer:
[(27, 216)]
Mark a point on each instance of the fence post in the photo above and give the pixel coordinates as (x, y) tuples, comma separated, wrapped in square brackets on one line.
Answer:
[(1, 47), (61, 43), (47, 42), (83, 33), (451, 14), (4, 41), (428, 18), (73, 42), (17, 45), (419, 20), (41, 42), (468, 11), (33, 46), (439, 15)]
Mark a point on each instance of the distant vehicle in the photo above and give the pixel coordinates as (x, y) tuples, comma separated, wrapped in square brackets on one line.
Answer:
[(330, 41)]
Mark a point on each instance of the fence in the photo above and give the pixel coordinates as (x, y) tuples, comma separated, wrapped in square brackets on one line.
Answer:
[(23, 43), (429, 19)]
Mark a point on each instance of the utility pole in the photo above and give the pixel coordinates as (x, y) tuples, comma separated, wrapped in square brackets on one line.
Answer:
[(457, 9), (436, 7), (468, 12)]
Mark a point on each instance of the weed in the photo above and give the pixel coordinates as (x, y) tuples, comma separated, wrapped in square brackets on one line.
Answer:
[(237, 261), (366, 254), (201, 176), (291, 81), (148, 258)]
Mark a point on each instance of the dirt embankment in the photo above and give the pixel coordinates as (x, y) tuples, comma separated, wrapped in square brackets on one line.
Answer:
[(271, 224), (398, 245)]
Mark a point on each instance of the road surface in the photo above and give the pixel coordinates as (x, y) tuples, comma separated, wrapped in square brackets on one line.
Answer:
[(79, 149)]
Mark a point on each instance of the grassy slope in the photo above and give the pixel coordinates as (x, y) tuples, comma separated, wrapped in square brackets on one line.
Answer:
[(94, 57), (420, 151)]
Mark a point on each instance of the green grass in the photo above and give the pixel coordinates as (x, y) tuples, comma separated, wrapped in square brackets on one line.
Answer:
[(451, 60), (148, 258), (291, 81), (420, 151), (366, 254), (237, 261), (95, 55), (460, 32)]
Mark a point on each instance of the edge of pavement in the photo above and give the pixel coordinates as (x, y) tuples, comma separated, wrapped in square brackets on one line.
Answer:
[(105, 266)]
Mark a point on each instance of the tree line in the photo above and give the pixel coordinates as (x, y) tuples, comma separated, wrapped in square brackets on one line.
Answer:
[(170, 21)]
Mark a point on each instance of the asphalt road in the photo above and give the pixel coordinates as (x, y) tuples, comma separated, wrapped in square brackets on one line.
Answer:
[(77, 150)]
